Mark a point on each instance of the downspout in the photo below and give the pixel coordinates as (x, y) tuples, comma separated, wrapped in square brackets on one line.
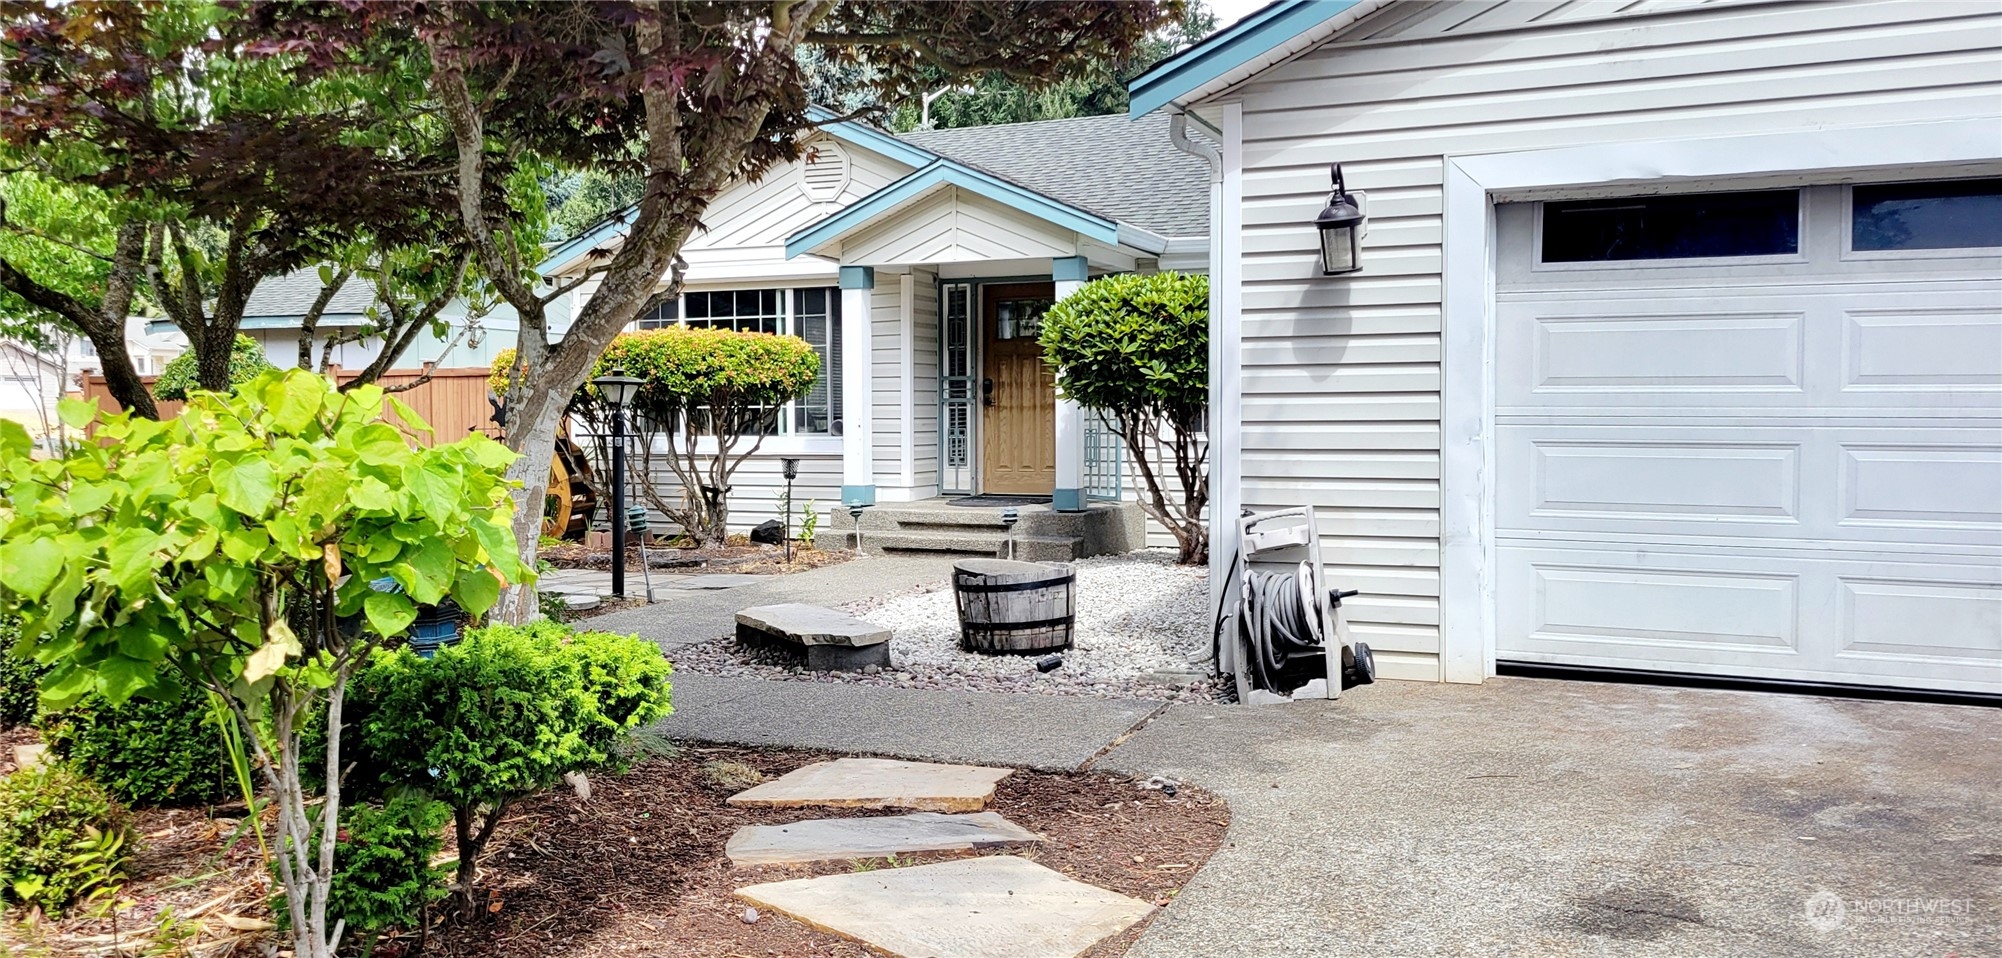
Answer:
[(1223, 539)]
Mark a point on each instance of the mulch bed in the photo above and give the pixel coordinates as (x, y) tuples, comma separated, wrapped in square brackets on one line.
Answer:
[(639, 868)]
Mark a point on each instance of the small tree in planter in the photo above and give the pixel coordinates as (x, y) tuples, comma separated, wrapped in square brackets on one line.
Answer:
[(222, 548), (715, 394), (1137, 347)]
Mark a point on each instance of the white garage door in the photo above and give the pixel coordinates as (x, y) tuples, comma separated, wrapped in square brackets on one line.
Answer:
[(1754, 433)]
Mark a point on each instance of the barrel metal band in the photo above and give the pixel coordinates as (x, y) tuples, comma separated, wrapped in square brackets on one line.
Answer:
[(992, 627), (965, 586)]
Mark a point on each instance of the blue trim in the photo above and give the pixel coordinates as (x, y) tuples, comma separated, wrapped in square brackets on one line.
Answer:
[(858, 277), (947, 173), (1226, 50), (584, 242), (1067, 500), (869, 138), (858, 495), (1066, 268)]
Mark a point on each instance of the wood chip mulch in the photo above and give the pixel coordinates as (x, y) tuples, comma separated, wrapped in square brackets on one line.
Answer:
[(639, 869)]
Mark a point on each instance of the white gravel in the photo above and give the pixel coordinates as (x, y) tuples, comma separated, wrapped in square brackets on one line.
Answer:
[(1143, 631)]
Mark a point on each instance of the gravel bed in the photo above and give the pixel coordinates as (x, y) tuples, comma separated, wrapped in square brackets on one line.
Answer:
[(1142, 627)]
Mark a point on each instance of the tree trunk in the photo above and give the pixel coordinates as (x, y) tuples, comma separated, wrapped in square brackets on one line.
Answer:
[(531, 431)]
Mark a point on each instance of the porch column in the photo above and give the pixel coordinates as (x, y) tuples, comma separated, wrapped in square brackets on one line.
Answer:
[(858, 479), (1068, 275)]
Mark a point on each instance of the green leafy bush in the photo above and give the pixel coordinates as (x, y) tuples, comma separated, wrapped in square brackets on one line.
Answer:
[(224, 548), (181, 375), (144, 752), (1137, 348), (61, 838), (20, 679), (703, 381), (383, 876), (500, 716)]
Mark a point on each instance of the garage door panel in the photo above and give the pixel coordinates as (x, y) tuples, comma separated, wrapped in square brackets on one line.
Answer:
[(1956, 349), (1800, 483), (1827, 616), (1881, 349)]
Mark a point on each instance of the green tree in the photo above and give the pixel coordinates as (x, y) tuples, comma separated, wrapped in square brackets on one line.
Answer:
[(1137, 347), (691, 97), (228, 550)]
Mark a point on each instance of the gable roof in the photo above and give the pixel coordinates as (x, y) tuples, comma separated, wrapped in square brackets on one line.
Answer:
[(1119, 169), (1227, 57), (288, 297)]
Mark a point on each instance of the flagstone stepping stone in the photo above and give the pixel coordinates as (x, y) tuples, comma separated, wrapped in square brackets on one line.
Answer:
[(879, 783), (821, 839), (997, 906), (823, 639)]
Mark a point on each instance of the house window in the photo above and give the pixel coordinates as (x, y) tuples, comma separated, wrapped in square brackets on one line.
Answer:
[(811, 314), (1684, 226), (1951, 214)]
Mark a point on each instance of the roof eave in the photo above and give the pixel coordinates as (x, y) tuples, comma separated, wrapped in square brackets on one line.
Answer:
[(1271, 34)]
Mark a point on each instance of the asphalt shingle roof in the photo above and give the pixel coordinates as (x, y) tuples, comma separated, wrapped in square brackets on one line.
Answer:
[(1121, 169), (293, 293)]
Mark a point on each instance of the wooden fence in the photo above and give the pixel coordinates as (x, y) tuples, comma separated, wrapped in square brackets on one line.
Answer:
[(452, 401)]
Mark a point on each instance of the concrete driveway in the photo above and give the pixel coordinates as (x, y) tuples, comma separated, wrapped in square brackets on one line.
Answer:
[(1547, 818)]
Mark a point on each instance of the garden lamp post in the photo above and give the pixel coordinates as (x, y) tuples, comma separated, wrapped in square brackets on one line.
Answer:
[(792, 472), (618, 389)]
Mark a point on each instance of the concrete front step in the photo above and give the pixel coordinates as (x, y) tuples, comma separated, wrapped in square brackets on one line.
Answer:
[(986, 545)]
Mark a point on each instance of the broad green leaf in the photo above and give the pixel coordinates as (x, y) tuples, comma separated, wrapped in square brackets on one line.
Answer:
[(294, 399), (29, 565), (75, 413), (131, 554), (118, 677), (247, 486), (15, 443), (487, 453), (380, 445), (432, 564), (437, 493), (388, 614), (88, 497), (372, 494), (409, 416), (476, 591)]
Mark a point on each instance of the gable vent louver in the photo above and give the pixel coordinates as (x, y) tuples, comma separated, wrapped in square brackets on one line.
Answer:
[(823, 171)]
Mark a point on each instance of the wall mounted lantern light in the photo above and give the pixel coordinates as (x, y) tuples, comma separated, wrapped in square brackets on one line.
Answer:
[(1341, 227)]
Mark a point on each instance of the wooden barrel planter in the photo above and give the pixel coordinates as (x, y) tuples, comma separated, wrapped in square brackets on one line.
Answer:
[(1012, 607)]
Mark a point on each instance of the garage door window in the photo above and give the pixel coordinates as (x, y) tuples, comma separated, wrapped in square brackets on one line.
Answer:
[(1953, 214), (1681, 227)]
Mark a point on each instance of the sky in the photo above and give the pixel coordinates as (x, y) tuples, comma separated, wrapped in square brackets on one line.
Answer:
[(1231, 11)]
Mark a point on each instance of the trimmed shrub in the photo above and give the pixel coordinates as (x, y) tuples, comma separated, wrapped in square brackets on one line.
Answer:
[(500, 716), (246, 361), (701, 381), (1138, 347), (61, 838), (144, 753), (383, 876)]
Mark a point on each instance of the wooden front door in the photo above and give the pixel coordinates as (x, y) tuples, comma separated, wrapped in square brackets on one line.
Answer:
[(1018, 415)]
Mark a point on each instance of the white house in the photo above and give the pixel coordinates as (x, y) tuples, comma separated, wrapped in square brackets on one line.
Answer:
[(150, 345), (1677, 340), (31, 383), (919, 265), (279, 304)]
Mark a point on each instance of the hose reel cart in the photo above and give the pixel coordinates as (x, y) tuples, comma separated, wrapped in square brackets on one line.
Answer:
[(1279, 629)]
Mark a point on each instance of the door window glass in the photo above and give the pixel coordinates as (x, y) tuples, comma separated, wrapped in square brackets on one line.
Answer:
[(1685, 226), (1950, 214)]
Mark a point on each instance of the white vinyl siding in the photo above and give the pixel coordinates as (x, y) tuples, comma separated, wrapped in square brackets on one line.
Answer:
[(924, 381), (886, 381), (1341, 376)]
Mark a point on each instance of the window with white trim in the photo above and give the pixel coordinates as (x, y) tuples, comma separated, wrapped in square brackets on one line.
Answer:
[(812, 314)]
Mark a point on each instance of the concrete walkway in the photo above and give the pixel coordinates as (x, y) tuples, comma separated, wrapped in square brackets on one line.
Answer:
[(679, 617), (1521, 817)]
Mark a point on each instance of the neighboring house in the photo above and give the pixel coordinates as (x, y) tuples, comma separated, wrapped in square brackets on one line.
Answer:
[(278, 306), (919, 267), (1677, 340), (151, 345), (31, 383)]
